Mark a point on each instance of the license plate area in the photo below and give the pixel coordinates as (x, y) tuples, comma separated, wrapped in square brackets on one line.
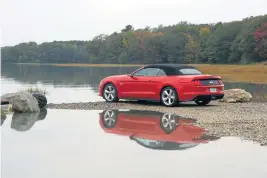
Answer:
[(213, 90)]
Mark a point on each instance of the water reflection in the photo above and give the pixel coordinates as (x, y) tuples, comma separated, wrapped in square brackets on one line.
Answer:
[(71, 143), (24, 121), (154, 130)]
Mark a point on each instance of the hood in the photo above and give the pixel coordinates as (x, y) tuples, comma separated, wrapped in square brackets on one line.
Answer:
[(116, 76)]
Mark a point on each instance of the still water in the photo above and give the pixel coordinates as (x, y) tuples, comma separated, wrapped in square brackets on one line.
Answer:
[(115, 143), (80, 84)]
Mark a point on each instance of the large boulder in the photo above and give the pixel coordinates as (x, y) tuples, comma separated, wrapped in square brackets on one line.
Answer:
[(24, 121), (21, 101), (235, 96)]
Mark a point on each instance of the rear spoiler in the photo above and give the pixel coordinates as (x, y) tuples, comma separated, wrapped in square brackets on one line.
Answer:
[(205, 77)]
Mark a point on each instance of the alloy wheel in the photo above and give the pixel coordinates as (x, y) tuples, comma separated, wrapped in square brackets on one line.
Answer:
[(109, 119), (110, 93), (168, 96), (168, 122)]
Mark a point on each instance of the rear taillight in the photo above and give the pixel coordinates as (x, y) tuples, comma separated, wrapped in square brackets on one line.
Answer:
[(196, 82)]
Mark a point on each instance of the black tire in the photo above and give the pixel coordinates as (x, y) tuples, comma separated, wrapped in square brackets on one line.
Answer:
[(115, 93), (202, 102), (41, 99), (175, 99), (109, 118), (170, 120)]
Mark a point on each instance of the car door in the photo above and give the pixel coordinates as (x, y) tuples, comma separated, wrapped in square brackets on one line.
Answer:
[(140, 85)]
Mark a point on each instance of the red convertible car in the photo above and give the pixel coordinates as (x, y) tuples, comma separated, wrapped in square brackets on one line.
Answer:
[(151, 129), (165, 83)]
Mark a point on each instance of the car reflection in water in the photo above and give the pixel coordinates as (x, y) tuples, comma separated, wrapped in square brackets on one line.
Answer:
[(154, 130), (24, 121)]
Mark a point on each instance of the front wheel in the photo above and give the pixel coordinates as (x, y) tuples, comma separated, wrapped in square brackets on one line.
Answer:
[(169, 97), (203, 102), (110, 93)]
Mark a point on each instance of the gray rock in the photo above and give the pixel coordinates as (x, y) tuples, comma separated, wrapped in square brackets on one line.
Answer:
[(22, 101), (24, 121), (235, 96)]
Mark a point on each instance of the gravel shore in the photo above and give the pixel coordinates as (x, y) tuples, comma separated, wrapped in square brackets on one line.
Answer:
[(245, 120)]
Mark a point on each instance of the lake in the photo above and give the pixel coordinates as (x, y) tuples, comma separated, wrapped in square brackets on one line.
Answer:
[(80, 84), (124, 144), (66, 143)]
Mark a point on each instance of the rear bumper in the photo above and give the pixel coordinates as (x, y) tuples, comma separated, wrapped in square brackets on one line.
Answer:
[(210, 96)]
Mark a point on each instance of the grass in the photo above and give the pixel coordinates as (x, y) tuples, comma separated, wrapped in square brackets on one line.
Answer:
[(232, 73), (36, 90), (254, 73)]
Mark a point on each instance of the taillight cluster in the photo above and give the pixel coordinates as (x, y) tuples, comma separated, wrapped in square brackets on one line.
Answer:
[(196, 82)]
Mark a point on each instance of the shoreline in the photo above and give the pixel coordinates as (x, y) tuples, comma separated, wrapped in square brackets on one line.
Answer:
[(245, 120), (228, 72), (81, 65)]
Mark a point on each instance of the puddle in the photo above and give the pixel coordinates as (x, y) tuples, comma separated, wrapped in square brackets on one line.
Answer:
[(122, 143), (154, 130)]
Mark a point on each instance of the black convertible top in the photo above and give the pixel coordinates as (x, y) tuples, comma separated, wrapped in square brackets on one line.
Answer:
[(171, 69), (168, 65)]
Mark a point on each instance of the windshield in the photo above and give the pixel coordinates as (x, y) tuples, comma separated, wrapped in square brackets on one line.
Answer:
[(149, 143), (190, 71), (163, 145)]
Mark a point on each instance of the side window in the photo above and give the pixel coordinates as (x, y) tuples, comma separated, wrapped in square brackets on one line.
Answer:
[(188, 71), (162, 73), (147, 72)]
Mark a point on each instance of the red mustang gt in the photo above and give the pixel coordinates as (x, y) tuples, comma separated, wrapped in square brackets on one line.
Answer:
[(165, 83)]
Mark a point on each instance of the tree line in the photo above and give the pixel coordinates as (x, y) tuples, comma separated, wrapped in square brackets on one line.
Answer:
[(240, 42)]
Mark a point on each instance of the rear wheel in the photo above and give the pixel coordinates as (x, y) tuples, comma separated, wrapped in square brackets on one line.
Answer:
[(203, 102), (169, 97), (168, 122), (110, 93)]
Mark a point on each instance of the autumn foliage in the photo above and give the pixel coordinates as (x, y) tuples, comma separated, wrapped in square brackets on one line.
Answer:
[(237, 42), (260, 36)]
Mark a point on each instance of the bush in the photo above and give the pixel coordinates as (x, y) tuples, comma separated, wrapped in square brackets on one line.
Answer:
[(36, 90)]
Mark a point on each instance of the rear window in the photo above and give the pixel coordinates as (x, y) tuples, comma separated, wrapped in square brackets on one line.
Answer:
[(189, 71)]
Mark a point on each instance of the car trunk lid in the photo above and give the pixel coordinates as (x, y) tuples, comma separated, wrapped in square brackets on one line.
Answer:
[(203, 79), (207, 80)]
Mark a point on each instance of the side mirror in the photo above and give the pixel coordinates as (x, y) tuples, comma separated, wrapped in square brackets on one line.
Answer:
[(130, 75)]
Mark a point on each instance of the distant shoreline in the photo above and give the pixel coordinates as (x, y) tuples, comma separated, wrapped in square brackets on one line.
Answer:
[(251, 73), (133, 65), (83, 65)]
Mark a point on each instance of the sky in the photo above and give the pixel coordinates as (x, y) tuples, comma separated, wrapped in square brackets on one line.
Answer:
[(49, 20)]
